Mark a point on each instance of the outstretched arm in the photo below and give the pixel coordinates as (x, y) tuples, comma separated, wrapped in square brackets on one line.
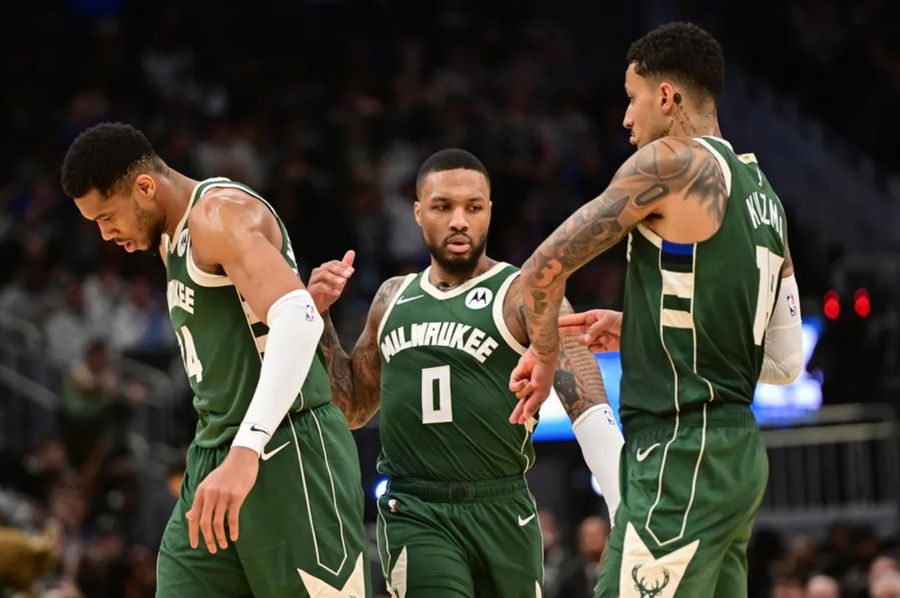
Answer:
[(661, 171), (581, 392)]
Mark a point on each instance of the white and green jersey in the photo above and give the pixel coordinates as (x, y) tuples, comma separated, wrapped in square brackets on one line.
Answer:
[(446, 357), (695, 315), (222, 341)]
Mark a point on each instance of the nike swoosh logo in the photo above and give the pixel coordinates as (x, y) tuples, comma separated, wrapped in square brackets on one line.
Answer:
[(255, 428), (403, 300), (642, 454), (266, 456), (526, 520)]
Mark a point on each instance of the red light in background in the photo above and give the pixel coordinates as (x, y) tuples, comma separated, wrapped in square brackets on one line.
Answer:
[(861, 303), (832, 305)]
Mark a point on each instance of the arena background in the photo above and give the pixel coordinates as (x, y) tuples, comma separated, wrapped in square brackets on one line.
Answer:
[(327, 107)]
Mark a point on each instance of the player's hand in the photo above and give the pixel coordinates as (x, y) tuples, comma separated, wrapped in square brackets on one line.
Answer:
[(531, 381), (601, 328), (327, 282), (223, 491)]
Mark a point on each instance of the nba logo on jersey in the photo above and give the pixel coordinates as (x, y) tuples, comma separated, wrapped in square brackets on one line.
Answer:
[(392, 505), (310, 313), (182, 243), (792, 304), (478, 298)]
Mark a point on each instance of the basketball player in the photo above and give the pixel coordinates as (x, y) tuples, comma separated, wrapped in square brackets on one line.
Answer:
[(710, 308), (272, 479), (457, 519)]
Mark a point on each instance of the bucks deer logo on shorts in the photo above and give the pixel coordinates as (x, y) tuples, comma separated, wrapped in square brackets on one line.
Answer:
[(646, 587), (479, 297)]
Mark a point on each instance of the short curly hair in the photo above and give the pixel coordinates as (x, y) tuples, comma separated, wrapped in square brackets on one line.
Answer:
[(450, 159), (104, 156), (683, 51)]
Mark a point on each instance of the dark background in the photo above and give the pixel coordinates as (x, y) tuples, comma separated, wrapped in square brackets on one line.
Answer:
[(327, 108)]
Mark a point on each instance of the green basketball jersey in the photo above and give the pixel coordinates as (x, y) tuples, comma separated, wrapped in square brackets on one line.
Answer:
[(222, 341), (695, 315), (446, 357)]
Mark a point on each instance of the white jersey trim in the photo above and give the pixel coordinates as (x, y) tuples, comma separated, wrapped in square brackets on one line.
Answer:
[(723, 164), (409, 278), (500, 321), (457, 291)]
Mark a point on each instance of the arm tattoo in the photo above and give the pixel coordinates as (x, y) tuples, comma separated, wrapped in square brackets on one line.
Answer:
[(578, 381), (668, 167), (365, 362), (514, 312), (338, 363)]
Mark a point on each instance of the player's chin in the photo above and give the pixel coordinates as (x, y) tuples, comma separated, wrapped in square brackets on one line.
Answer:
[(458, 259)]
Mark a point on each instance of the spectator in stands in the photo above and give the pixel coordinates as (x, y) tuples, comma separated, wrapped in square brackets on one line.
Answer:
[(140, 326), (86, 400), (592, 535), (803, 558), (26, 297), (822, 586), (68, 329), (881, 566), (563, 571), (787, 585), (887, 586)]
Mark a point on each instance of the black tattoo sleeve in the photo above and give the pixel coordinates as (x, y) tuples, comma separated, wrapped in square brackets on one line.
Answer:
[(668, 167), (365, 363), (578, 380)]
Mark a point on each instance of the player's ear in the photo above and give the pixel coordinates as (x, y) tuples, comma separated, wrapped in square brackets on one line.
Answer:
[(144, 189), (417, 211), (667, 97)]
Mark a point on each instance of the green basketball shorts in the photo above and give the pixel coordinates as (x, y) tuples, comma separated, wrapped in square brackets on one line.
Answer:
[(689, 495), (301, 527), (460, 540)]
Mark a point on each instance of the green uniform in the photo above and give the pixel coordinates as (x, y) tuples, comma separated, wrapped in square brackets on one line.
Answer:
[(693, 469), (301, 524), (457, 519)]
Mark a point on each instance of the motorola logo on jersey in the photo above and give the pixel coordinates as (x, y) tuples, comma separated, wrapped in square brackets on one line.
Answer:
[(479, 297), (182, 243)]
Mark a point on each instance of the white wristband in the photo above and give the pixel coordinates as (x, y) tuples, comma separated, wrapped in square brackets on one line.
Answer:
[(295, 328)]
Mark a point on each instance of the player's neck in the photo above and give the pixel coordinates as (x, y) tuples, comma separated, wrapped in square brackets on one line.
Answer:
[(174, 195), (444, 280), (688, 123)]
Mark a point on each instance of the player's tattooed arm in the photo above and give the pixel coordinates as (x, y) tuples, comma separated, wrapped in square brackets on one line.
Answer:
[(366, 361), (666, 170), (577, 381), (337, 361)]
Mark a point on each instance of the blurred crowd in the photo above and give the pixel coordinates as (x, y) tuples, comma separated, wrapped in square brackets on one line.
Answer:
[(847, 563), (327, 108)]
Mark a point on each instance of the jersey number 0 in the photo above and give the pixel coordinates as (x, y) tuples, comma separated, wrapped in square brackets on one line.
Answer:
[(436, 409)]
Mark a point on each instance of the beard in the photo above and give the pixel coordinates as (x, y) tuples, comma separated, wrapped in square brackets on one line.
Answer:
[(152, 224), (457, 264)]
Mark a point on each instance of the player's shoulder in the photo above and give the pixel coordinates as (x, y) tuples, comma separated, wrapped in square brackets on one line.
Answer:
[(226, 213), (669, 157), (385, 294)]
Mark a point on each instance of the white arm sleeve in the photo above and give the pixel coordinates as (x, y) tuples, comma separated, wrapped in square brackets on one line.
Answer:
[(295, 327), (601, 442), (784, 338)]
